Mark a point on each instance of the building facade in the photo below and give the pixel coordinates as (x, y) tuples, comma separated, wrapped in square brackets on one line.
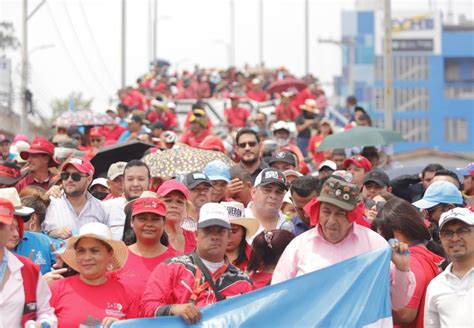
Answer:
[(433, 76)]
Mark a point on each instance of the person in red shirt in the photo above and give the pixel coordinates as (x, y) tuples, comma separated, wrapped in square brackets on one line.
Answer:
[(92, 297), (197, 129), (161, 113), (255, 92), (399, 219), (238, 251), (97, 141), (112, 131), (40, 158), (149, 250), (235, 116), (179, 287), (286, 111), (267, 248), (325, 129), (175, 195)]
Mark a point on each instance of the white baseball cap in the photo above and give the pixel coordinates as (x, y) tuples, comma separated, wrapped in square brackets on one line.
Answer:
[(213, 214), (457, 213), (328, 163)]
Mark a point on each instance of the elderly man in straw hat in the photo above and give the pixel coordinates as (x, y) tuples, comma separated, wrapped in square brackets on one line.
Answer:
[(336, 238), (182, 284), (92, 297)]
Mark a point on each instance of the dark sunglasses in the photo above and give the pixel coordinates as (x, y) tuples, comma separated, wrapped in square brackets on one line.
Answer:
[(96, 140), (250, 143), (369, 203), (75, 176)]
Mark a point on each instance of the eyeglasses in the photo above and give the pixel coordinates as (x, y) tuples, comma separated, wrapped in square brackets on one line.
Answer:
[(461, 232), (250, 143), (369, 203), (96, 140), (75, 176)]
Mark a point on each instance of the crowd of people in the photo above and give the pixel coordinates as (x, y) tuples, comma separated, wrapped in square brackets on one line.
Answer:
[(79, 247)]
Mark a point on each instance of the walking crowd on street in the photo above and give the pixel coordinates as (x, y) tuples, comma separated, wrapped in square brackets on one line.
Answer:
[(150, 214)]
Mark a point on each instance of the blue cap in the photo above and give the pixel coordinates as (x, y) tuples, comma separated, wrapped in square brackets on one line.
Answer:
[(440, 192), (217, 170), (467, 171)]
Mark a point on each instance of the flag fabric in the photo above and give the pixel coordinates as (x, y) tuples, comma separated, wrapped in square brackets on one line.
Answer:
[(352, 293)]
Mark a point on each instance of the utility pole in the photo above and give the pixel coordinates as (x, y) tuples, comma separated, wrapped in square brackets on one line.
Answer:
[(24, 124), (24, 72), (232, 33), (124, 43), (387, 67), (260, 30), (155, 29), (306, 37)]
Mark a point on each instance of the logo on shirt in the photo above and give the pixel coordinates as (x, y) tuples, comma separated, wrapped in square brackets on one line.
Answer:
[(114, 310), (39, 259)]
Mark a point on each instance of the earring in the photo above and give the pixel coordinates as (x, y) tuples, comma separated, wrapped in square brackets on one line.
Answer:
[(110, 267)]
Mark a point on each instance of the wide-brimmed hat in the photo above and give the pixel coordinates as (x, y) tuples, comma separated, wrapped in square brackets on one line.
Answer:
[(10, 173), (40, 146), (100, 232), (310, 105), (11, 194), (236, 212)]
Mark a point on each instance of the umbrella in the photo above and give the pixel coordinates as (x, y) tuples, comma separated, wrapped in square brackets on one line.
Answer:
[(83, 118), (282, 85), (183, 160), (119, 152), (360, 136)]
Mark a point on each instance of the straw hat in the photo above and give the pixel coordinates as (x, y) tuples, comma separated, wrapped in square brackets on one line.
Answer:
[(101, 232), (12, 195), (236, 212), (310, 105)]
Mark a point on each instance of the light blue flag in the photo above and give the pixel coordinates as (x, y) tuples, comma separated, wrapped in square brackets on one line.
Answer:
[(352, 293)]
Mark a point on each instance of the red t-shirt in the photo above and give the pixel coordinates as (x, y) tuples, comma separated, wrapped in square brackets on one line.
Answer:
[(76, 302), (259, 96), (237, 117), (194, 140), (189, 243), (289, 114), (424, 265), (168, 119), (113, 134), (261, 279), (134, 274)]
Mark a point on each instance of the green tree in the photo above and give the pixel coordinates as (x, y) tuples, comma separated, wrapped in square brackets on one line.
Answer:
[(8, 39), (75, 99)]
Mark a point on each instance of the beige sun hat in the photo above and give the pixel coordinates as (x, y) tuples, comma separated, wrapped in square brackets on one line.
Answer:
[(101, 232), (12, 195), (236, 212)]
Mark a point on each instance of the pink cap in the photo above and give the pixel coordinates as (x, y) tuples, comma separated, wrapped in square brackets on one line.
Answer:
[(80, 164), (172, 185)]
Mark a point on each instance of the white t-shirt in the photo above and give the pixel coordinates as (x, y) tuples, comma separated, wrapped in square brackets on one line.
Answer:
[(212, 266), (249, 214), (115, 209), (450, 300)]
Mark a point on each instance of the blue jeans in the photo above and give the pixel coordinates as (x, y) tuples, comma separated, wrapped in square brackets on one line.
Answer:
[(302, 144)]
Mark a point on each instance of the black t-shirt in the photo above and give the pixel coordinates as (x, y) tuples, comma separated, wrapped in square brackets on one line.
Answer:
[(306, 133)]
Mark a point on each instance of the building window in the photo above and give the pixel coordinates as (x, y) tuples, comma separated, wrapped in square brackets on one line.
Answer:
[(455, 130), (405, 68), (451, 70), (404, 99)]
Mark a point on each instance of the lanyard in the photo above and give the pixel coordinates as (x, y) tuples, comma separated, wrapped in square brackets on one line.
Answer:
[(198, 287), (3, 266)]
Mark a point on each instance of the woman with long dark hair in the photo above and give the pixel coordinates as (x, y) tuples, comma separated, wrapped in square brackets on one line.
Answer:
[(151, 245), (267, 248), (401, 220)]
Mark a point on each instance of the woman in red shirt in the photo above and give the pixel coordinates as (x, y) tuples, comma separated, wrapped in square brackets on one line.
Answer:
[(400, 219), (238, 250), (267, 248), (150, 248), (325, 129), (92, 297), (175, 195)]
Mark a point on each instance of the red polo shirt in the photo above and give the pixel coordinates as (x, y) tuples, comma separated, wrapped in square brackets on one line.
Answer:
[(29, 180)]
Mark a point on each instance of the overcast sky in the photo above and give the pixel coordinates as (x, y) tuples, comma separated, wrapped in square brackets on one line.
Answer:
[(85, 37)]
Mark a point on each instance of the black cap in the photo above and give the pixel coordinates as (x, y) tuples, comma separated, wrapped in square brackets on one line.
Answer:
[(283, 156), (379, 177), (192, 180), (271, 175)]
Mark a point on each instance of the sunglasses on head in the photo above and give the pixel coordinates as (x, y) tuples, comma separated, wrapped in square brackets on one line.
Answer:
[(369, 203), (75, 176), (250, 143)]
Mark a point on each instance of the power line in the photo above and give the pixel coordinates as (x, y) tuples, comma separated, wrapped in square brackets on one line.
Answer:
[(68, 53), (96, 47), (83, 53)]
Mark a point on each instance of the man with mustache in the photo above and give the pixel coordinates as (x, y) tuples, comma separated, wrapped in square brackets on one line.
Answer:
[(183, 284)]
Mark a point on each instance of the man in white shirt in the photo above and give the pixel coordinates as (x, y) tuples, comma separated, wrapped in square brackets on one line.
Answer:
[(450, 296), (267, 197), (136, 179), (17, 305), (76, 206)]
